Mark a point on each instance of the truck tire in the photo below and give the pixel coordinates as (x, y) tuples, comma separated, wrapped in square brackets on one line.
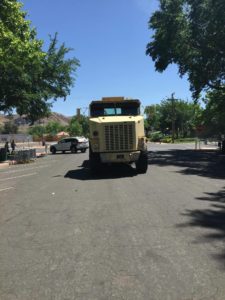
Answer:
[(94, 162), (142, 163), (83, 150)]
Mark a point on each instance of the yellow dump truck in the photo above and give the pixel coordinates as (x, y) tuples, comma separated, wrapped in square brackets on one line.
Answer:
[(117, 133)]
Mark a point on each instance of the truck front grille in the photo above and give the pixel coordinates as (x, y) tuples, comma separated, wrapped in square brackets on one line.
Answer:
[(119, 137)]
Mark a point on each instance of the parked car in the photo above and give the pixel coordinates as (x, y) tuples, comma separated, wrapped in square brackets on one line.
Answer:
[(72, 144)]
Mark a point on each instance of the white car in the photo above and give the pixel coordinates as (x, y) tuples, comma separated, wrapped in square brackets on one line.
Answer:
[(72, 144)]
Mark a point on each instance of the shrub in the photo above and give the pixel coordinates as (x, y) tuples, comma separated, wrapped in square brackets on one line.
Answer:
[(156, 136), (167, 139)]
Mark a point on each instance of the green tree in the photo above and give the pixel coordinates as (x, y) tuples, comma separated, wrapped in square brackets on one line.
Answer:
[(83, 122), (10, 128), (37, 130), (53, 127), (187, 118), (174, 116), (190, 34), (74, 128), (30, 78), (213, 117), (183, 115), (152, 121)]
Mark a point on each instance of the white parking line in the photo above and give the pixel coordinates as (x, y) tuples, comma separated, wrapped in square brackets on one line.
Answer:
[(23, 169), (25, 175), (8, 188)]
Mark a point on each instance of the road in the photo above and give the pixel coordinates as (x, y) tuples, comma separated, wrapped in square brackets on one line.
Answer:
[(66, 235)]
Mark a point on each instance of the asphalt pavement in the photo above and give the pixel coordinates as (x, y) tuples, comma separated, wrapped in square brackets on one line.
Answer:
[(65, 234)]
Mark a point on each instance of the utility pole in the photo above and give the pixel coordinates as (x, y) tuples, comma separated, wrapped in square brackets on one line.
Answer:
[(173, 117), (78, 113)]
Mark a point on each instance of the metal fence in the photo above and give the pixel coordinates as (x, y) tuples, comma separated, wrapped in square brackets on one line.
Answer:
[(22, 155), (18, 138), (3, 154)]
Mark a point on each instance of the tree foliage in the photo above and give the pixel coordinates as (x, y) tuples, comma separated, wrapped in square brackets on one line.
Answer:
[(30, 78), (152, 121), (74, 128), (9, 128), (83, 122), (191, 34), (37, 130), (54, 127), (185, 116), (51, 129), (77, 126), (213, 117)]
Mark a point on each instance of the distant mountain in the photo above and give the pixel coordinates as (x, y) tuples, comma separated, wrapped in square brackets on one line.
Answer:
[(23, 123), (64, 120)]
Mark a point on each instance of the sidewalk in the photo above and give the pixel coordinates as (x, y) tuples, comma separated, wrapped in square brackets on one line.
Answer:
[(4, 165)]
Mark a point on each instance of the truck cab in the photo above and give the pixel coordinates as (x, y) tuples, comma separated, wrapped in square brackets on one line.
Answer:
[(117, 133)]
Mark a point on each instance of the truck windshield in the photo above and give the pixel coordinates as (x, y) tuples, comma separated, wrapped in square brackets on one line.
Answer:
[(116, 109), (112, 111)]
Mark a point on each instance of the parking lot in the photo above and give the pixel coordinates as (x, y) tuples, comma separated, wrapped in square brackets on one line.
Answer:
[(66, 234)]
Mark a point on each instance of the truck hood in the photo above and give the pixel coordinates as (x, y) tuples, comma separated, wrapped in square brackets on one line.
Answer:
[(116, 119)]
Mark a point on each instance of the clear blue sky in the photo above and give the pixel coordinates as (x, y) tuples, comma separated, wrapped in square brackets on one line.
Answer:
[(109, 37)]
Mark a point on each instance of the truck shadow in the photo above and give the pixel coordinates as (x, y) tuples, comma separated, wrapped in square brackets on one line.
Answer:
[(106, 172), (203, 163)]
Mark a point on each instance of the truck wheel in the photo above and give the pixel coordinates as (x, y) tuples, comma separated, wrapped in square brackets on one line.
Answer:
[(94, 162), (83, 150), (73, 149), (142, 163), (53, 150)]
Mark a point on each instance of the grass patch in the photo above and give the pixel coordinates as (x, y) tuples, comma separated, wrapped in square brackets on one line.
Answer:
[(185, 140)]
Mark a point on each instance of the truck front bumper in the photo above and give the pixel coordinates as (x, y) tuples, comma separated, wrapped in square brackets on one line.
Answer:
[(119, 157)]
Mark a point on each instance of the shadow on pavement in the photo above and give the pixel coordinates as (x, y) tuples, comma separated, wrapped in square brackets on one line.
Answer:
[(194, 162), (106, 172), (210, 164), (211, 218)]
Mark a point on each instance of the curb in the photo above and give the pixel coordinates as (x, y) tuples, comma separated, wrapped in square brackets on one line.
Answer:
[(42, 154), (4, 165)]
